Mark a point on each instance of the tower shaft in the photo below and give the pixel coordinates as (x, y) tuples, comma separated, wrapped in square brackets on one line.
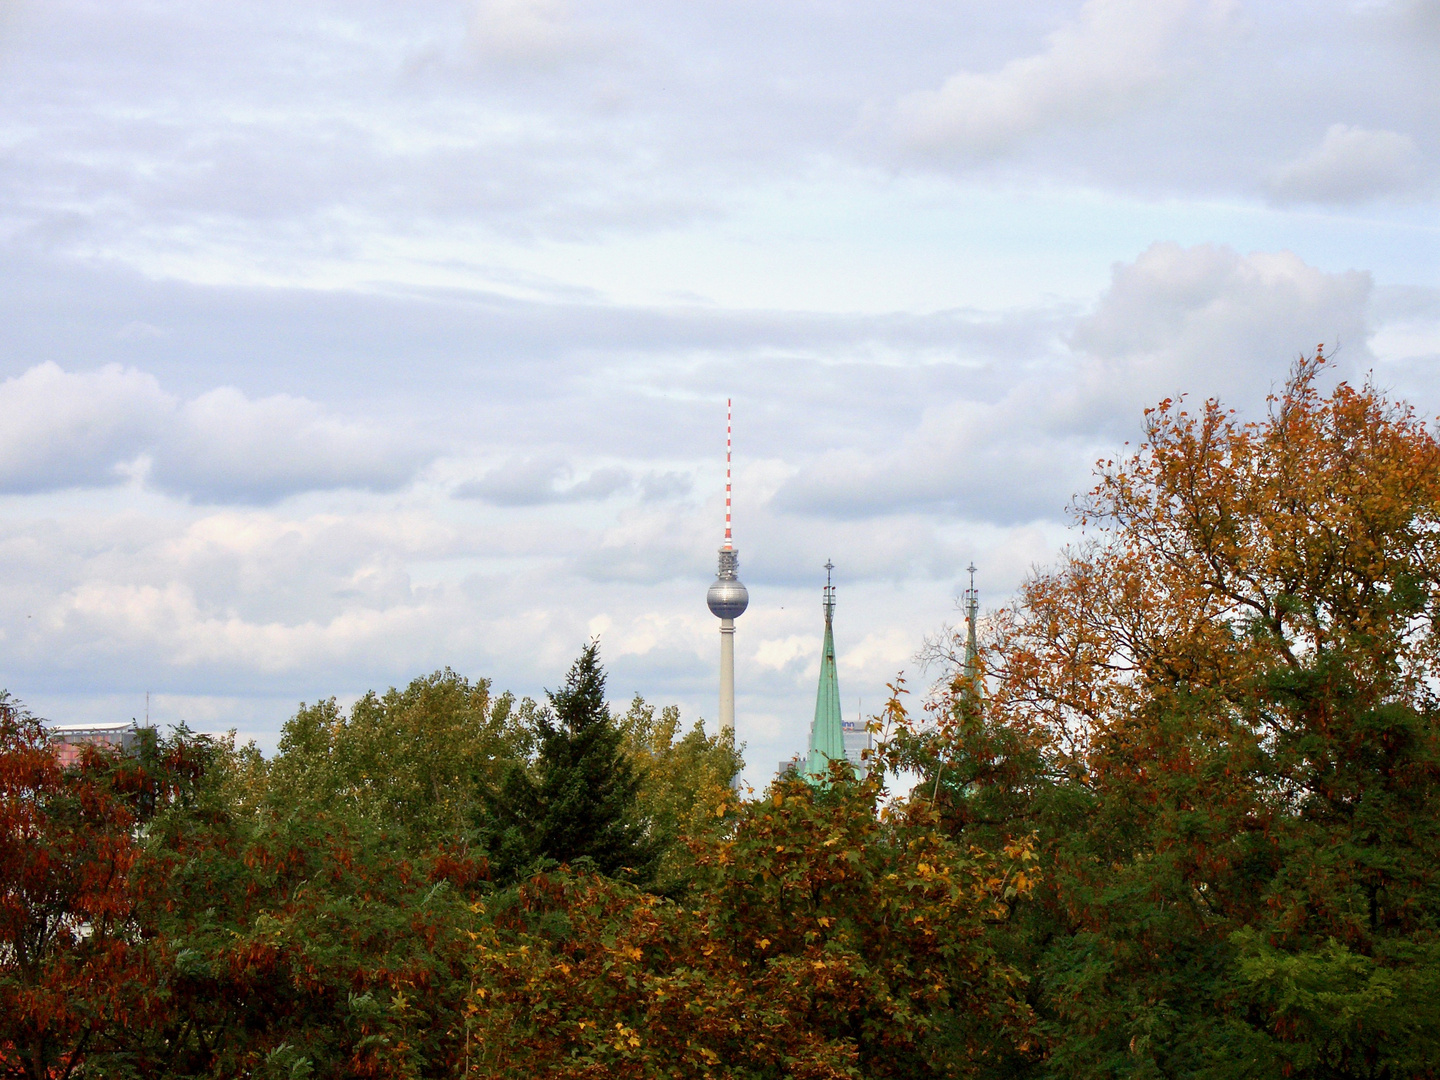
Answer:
[(727, 676)]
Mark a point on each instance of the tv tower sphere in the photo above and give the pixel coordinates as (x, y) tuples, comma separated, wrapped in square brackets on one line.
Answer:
[(727, 598)]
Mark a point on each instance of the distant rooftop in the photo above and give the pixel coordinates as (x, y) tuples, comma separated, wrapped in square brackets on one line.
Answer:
[(69, 740), (87, 729)]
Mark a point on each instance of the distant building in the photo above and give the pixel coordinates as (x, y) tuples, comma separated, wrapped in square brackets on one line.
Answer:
[(857, 740), (69, 740)]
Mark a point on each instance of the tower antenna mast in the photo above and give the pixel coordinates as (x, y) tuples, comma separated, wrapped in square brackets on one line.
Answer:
[(727, 472)]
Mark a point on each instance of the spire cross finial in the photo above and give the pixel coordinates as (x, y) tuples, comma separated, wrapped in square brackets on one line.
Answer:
[(727, 471), (829, 592)]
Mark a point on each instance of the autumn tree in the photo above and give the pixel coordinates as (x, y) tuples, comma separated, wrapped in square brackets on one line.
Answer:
[(825, 939), (1219, 715), (78, 971)]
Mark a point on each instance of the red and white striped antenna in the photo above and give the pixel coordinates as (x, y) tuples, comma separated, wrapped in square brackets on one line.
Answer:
[(727, 473)]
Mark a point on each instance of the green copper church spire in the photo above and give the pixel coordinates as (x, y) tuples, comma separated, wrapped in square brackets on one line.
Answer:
[(827, 736)]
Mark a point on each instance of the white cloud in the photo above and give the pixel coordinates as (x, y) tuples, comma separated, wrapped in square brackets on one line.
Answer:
[(1207, 321), (71, 429), (1113, 57), (524, 31), (1202, 320), (540, 480), (227, 447), (93, 429), (1350, 165), (780, 653)]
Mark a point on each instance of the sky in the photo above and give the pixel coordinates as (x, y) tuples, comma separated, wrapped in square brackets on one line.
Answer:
[(344, 342)]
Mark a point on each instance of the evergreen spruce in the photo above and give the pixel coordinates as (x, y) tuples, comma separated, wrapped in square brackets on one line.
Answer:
[(579, 799)]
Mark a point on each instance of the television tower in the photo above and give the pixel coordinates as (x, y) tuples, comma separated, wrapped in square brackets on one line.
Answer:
[(728, 600)]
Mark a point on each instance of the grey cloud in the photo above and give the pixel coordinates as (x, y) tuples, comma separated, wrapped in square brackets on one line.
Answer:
[(966, 460), (539, 481), (1115, 55), (1203, 320), (65, 429), (323, 341), (1208, 321), (1406, 302), (530, 32), (335, 134), (1351, 165), (99, 428), (968, 395), (663, 486), (225, 447), (544, 481)]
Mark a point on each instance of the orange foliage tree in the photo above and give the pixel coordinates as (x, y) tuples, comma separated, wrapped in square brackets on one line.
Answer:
[(828, 941), (1219, 715)]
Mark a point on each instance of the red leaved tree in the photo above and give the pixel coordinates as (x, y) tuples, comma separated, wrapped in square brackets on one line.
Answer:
[(72, 968)]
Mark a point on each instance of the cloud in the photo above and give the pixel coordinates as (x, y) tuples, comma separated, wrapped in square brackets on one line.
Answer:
[(973, 460), (524, 31), (224, 447), (66, 429), (1112, 58), (1208, 321), (539, 481), (95, 429), (545, 480), (1203, 320), (1350, 165)]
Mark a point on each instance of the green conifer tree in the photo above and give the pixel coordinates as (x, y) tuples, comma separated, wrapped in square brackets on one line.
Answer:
[(579, 798)]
